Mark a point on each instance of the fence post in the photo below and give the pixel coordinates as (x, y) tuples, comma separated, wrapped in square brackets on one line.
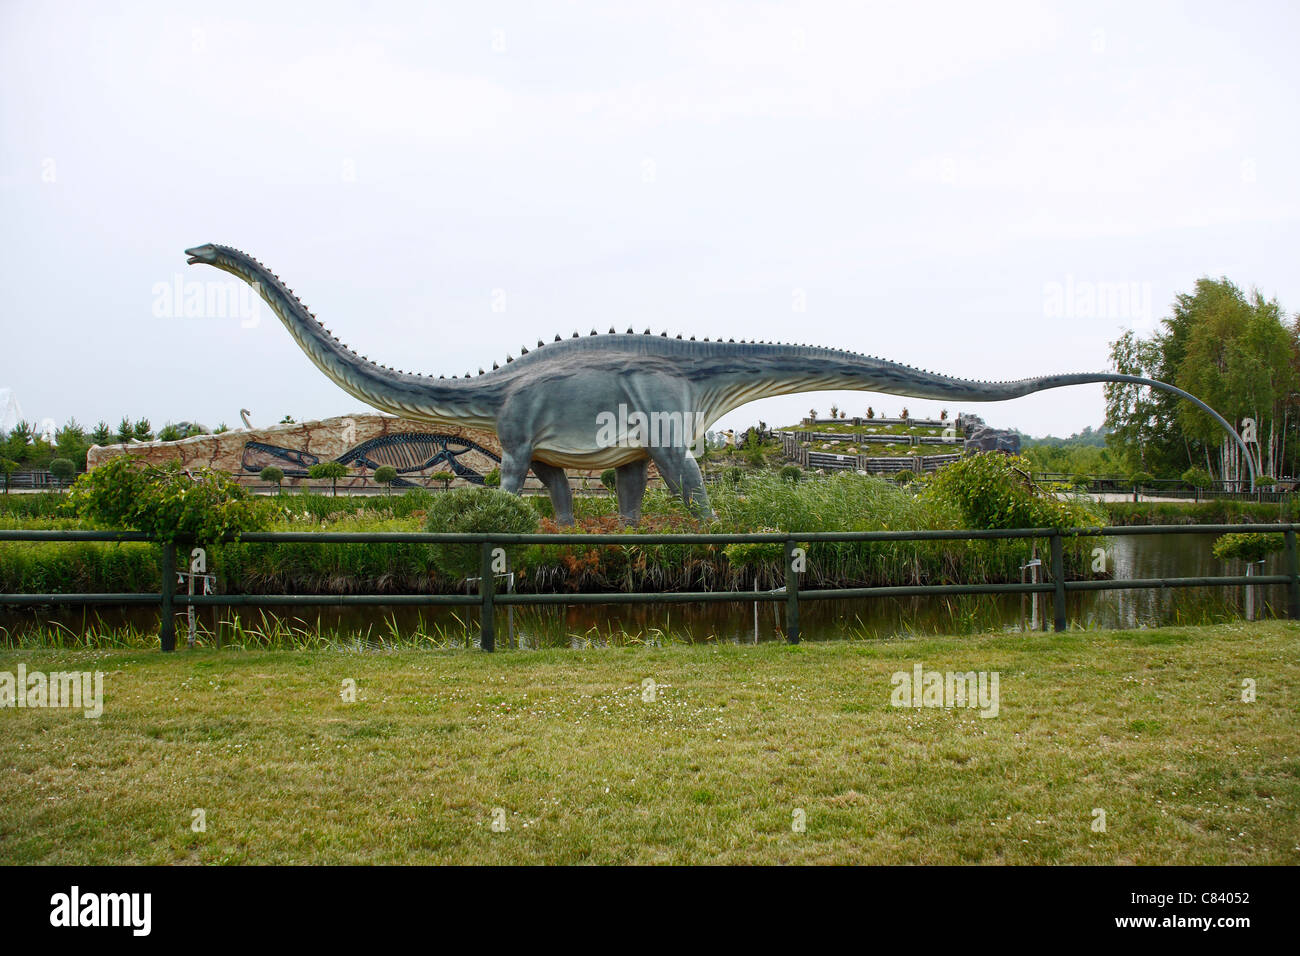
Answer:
[(167, 614), (1058, 578), (791, 596), (486, 589), (1293, 572)]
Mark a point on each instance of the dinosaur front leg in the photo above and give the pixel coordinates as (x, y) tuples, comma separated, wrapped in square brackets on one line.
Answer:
[(682, 476), (514, 469), (557, 483), (629, 483)]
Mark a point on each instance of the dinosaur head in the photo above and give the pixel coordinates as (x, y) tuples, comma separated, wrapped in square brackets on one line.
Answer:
[(206, 253)]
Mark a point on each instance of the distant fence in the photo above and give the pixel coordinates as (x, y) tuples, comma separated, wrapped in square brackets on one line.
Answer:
[(487, 600), (793, 447)]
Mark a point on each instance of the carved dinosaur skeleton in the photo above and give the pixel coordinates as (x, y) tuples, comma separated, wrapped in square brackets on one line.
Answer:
[(619, 400)]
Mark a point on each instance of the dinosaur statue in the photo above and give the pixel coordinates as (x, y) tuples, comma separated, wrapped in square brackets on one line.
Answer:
[(619, 400)]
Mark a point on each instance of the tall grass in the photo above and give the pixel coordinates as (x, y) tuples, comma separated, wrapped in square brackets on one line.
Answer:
[(759, 503)]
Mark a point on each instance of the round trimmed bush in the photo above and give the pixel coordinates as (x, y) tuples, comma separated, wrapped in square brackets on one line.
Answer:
[(465, 510), (792, 474)]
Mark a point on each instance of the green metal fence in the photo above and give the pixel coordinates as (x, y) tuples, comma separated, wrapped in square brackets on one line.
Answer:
[(487, 600)]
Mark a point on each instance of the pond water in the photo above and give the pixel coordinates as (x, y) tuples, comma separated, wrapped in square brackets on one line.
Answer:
[(1144, 556)]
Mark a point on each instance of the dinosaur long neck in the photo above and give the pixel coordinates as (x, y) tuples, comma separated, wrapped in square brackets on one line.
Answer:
[(447, 401)]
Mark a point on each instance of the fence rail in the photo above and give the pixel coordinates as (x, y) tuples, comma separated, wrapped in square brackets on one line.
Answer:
[(791, 594)]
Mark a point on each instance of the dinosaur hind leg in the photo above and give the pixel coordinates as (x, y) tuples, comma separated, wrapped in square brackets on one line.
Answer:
[(629, 482), (557, 483), (682, 476)]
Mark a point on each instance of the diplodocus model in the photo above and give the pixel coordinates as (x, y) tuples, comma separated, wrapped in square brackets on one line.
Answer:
[(620, 400)]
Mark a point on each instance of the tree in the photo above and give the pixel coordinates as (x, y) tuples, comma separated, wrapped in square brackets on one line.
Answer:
[(274, 476), (386, 475), (142, 430), (1233, 351), (443, 478), (608, 478), (493, 478), (18, 446), (125, 430), (7, 467), (102, 435), (333, 470)]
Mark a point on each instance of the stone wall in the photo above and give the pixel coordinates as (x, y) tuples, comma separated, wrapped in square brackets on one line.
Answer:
[(418, 450)]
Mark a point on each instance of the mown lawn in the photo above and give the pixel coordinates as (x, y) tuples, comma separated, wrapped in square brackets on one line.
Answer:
[(1148, 726)]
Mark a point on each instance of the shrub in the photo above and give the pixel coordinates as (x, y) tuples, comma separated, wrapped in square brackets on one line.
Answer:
[(1247, 547), (905, 477), (992, 490), (1140, 478), (608, 478), (63, 469), (733, 474), (1265, 481), (273, 476), (386, 475), (165, 501), (476, 509), (333, 470), (1197, 478), (493, 478), (792, 474)]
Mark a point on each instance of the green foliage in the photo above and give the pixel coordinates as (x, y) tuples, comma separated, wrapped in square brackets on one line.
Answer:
[(170, 432), (63, 469), (1232, 350), (7, 467), (1248, 547), (272, 475), (332, 470), (102, 435), (166, 501), (733, 475), (493, 478), (991, 490), (792, 474), (608, 478), (466, 510), (386, 475), (125, 430), (1197, 478), (142, 430), (1140, 478), (905, 477), (1265, 481)]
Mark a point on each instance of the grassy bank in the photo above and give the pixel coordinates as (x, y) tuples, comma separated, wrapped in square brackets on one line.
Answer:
[(1193, 512), (1147, 726)]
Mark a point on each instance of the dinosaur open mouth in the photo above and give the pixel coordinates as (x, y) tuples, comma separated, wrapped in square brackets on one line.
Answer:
[(194, 256)]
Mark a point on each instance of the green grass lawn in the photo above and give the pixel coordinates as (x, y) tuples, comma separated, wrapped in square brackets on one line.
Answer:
[(1148, 726)]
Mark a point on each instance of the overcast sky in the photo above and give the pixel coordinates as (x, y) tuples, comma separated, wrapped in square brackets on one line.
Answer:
[(948, 186)]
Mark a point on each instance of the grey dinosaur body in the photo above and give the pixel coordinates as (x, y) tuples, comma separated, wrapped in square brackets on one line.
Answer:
[(615, 400)]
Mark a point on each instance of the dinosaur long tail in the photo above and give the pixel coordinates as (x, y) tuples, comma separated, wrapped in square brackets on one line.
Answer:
[(762, 370), (454, 401)]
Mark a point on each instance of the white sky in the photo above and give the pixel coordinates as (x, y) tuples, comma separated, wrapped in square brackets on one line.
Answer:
[(926, 179)]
